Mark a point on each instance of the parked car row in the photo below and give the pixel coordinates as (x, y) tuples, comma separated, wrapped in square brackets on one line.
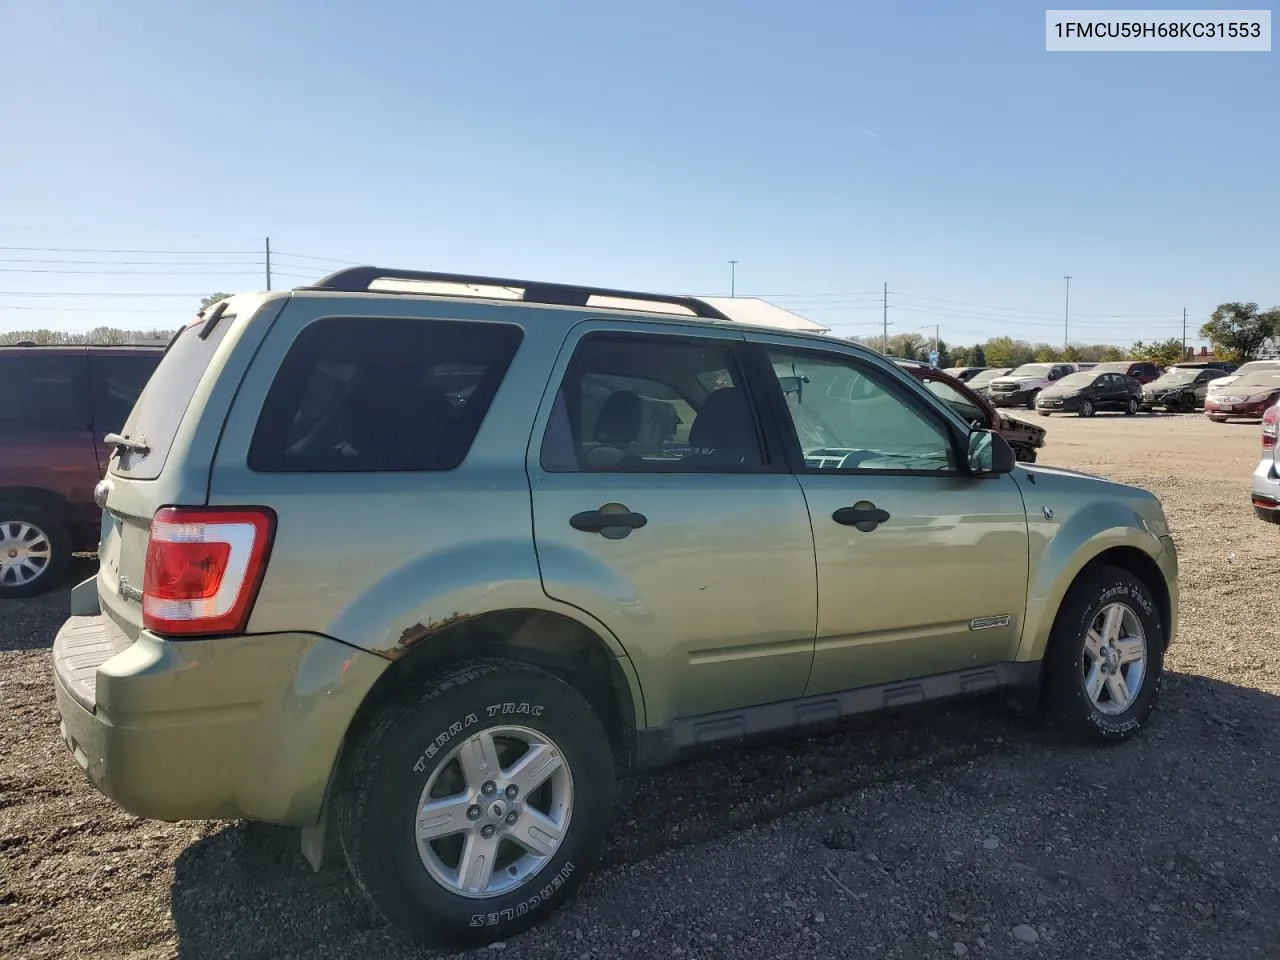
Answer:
[(1223, 390)]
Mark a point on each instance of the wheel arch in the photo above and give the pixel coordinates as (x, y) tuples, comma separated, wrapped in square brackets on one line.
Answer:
[(555, 642), (1142, 565), (40, 498)]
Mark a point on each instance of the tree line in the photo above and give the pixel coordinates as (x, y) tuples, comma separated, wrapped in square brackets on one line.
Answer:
[(109, 336), (1237, 331)]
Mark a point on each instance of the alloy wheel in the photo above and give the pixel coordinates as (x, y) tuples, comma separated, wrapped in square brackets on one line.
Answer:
[(1113, 662), (494, 811)]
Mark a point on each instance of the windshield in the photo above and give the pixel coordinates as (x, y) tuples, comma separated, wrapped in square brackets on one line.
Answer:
[(965, 408), (1268, 379), (1115, 366), (986, 376), (1076, 380), (1036, 370), (1254, 366), (1177, 376)]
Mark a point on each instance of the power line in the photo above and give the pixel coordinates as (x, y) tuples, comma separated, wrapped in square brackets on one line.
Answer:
[(1026, 321), (303, 256), (136, 263), (184, 253), (240, 272), (82, 293), (106, 312), (1021, 310)]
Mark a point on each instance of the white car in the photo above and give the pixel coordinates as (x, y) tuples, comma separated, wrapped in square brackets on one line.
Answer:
[(1021, 387), (1216, 386)]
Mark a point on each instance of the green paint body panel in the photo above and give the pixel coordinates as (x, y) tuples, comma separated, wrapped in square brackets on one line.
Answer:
[(739, 592)]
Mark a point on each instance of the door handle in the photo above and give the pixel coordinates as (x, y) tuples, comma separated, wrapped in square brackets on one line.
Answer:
[(863, 515), (612, 521)]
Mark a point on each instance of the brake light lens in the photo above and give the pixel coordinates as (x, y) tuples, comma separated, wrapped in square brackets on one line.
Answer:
[(1270, 421), (204, 567)]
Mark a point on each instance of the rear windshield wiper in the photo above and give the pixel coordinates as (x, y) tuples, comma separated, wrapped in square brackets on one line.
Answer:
[(139, 445)]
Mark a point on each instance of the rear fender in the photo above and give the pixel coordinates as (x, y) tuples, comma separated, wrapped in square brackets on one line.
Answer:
[(439, 590)]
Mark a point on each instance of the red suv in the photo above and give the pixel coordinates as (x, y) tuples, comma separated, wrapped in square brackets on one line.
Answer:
[(56, 406)]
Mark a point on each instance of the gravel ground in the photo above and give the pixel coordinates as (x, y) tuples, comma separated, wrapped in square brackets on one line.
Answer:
[(940, 832)]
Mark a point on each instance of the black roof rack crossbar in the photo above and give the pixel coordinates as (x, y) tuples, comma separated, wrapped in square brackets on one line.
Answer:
[(360, 279)]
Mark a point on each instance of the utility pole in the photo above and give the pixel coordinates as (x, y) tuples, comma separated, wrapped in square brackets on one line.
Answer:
[(733, 278), (268, 263), (1184, 333), (937, 327), (1066, 317), (884, 346)]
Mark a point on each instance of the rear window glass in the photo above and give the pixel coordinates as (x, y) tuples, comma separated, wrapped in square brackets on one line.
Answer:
[(164, 400), (362, 394), (44, 391)]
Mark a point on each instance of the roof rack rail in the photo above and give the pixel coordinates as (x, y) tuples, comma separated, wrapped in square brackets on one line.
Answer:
[(360, 279)]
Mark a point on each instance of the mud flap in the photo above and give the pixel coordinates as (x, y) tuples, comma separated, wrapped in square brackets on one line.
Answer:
[(314, 847)]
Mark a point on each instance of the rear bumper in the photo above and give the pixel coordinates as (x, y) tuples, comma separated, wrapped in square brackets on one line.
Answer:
[(234, 727), (1265, 495), (1247, 410)]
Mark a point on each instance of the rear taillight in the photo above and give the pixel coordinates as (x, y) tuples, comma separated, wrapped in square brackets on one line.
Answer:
[(204, 567), (1270, 420)]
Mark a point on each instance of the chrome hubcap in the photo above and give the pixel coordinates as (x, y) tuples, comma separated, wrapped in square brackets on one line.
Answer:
[(1114, 662), (494, 811), (25, 552)]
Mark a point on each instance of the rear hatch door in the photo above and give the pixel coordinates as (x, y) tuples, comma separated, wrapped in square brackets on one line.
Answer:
[(167, 449)]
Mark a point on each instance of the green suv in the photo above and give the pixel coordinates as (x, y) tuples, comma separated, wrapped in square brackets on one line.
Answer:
[(423, 561)]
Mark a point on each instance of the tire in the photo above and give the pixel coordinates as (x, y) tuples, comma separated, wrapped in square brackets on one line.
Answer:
[(1043, 413), (1086, 409), (1031, 400), (1187, 403), (1218, 419), (1131, 407), (1070, 707), (1024, 454), (33, 535), (412, 744)]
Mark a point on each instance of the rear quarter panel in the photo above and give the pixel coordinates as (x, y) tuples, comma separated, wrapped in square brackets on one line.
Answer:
[(379, 560)]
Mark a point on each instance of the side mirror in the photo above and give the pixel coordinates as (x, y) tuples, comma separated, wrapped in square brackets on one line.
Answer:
[(989, 454)]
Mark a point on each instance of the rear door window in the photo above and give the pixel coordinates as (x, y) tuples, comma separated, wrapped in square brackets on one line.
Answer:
[(117, 382), (49, 390), (163, 403), (361, 394)]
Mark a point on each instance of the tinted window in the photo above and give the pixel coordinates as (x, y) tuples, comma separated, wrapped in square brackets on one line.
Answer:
[(651, 404), (117, 384), (362, 394), (44, 391), (163, 403), (846, 417)]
